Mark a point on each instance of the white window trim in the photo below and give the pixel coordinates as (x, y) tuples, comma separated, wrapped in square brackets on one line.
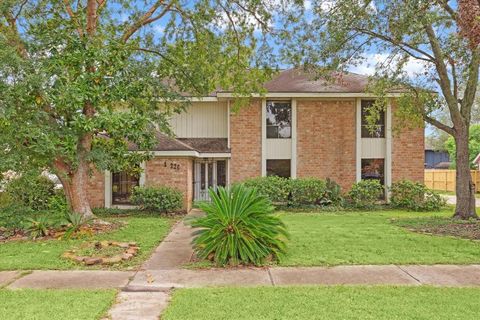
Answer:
[(293, 160), (108, 188), (264, 138), (388, 145)]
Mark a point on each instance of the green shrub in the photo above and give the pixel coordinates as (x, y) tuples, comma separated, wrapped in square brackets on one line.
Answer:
[(365, 194), (239, 228), (163, 199), (31, 190), (5, 199), (38, 226), (308, 192), (276, 189), (415, 196), (12, 217)]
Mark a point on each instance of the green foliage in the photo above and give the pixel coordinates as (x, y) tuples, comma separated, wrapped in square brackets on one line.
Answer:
[(301, 192), (74, 222), (31, 190), (38, 226), (276, 189), (163, 199), (61, 83), (5, 199), (364, 194), (12, 217), (239, 228), (314, 192), (473, 145), (415, 196)]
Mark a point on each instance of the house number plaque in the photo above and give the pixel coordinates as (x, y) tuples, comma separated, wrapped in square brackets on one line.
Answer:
[(171, 165)]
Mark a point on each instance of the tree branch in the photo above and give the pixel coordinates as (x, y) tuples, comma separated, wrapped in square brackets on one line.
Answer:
[(91, 17), (234, 27), (399, 44), (444, 4), (146, 18), (444, 80), (73, 16), (438, 124), (471, 87)]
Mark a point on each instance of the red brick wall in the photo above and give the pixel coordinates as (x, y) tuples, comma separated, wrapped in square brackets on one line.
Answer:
[(246, 142), (326, 140), (161, 171), (408, 152), (96, 189)]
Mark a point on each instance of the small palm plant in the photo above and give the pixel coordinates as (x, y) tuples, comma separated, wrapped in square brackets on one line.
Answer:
[(238, 228)]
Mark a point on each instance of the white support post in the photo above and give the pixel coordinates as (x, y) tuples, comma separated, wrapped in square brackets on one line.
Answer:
[(264, 138), (388, 150), (293, 161), (108, 189), (358, 140)]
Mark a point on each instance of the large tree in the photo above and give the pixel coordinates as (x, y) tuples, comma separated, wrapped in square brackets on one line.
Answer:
[(82, 80), (430, 36)]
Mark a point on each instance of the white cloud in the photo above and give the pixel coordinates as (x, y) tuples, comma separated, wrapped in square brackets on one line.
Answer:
[(412, 68)]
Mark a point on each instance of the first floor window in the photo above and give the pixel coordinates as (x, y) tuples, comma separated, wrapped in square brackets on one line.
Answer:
[(122, 187), (373, 169), (280, 168)]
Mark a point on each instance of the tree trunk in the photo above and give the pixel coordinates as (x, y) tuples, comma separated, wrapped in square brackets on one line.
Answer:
[(75, 186), (465, 189)]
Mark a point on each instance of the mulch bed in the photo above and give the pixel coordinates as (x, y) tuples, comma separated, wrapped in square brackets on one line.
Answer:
[(96, 227), (466, 230)]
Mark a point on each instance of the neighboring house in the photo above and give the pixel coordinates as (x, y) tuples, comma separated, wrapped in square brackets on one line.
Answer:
[(436, 159), (300, 128)]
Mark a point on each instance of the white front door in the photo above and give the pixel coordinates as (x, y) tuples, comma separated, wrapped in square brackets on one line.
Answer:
[(208, 174)]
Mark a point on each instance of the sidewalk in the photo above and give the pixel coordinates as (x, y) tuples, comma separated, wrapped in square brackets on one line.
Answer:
[(453, 200), (145, 293)]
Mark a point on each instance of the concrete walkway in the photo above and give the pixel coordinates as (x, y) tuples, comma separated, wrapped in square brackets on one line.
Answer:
[(453, 200), (145, 293)]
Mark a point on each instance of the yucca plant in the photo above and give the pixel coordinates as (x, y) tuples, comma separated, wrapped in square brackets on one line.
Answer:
[(238, 228)]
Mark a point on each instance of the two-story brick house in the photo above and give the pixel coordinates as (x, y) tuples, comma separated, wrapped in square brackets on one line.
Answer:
[(300, 128)]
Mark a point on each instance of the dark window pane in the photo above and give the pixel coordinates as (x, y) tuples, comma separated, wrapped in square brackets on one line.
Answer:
[(210, 174), (122, 187), (202, 176), (279, 119), (221, 173), (373, 169), (379, 131), (279, 168), (272, 132)]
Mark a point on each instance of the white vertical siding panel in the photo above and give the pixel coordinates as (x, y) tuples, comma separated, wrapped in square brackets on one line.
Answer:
[(202, 120)]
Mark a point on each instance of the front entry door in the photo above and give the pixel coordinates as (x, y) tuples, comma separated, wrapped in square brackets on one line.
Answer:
[(208, 174)]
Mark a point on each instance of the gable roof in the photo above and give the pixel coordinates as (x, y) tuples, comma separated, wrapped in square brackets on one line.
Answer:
[(298, 80)]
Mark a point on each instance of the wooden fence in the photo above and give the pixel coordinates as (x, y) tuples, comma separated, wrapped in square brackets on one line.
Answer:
[(444, 180)]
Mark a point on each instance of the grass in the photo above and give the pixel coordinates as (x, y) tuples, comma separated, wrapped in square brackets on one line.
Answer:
[(339, 302), (147, 231), (319, 239), (55, 304)]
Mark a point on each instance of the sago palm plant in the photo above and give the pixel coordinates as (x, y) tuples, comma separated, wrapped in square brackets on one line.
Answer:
[(238, 228)]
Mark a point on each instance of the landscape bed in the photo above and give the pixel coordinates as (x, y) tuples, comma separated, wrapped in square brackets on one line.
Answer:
[(146, 230)]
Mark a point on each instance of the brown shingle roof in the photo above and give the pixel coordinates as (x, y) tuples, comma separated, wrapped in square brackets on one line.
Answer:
[(202, 145), (207, 145)]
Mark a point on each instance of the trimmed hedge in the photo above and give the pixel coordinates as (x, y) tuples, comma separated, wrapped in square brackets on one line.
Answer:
[(365, 194), (276, 189), (302, 192), (163, 199), (415, 196)]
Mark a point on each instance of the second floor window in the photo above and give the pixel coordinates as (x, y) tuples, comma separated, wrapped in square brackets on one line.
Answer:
[(279, 120), (369, 130)]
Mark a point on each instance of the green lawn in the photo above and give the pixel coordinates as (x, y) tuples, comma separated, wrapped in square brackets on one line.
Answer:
[(340, 302), (147, 231), (370, 238), (55, 304)]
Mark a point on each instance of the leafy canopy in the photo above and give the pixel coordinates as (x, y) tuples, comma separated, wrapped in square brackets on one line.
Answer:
[(68, 67)]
